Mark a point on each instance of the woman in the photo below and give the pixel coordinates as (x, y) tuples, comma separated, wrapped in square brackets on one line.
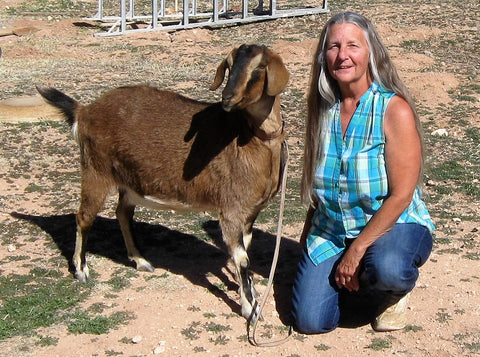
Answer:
[(363, 162)]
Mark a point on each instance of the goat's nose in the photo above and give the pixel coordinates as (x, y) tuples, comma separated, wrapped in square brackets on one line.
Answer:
[(227, 95), (226, 101)]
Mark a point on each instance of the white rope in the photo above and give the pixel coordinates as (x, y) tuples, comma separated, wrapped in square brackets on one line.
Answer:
[(252, 323)]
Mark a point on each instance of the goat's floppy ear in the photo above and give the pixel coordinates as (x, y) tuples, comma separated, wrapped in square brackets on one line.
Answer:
[(222, 68), (277, 74), (220, 75)]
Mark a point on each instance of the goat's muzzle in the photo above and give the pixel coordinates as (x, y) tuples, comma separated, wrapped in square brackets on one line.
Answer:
[(228, 102)]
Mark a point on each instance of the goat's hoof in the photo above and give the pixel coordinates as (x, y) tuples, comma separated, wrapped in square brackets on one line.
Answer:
[(144, 265), (81, 276)]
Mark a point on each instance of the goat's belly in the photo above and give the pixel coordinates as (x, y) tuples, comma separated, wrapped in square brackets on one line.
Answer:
[(162, 204)]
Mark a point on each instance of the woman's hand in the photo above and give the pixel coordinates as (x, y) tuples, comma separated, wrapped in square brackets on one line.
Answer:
[(347, 271)]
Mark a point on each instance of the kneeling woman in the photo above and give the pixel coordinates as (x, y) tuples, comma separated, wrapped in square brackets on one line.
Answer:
[(363, 163)]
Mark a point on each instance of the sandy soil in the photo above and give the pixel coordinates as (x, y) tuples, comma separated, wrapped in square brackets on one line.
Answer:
[(184, 298)]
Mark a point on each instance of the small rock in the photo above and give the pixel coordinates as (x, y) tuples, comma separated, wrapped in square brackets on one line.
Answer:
[(11, 248), (456, 220), (137, 339), (440, 132), (160, 348)]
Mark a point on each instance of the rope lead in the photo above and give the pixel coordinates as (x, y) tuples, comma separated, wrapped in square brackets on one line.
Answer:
[(253, 321)]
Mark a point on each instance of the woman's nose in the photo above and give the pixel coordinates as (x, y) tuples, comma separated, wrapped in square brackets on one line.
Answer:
[(342, 53)]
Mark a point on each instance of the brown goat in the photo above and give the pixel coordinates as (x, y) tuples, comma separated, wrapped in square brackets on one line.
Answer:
[(166, 151)]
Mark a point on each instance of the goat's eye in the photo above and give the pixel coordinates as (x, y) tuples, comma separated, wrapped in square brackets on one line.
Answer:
[(261, 67)]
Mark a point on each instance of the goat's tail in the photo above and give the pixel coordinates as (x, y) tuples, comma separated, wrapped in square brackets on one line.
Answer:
[(66, 104)]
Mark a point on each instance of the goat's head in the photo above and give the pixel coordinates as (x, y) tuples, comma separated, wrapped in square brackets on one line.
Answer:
[(254, 71)]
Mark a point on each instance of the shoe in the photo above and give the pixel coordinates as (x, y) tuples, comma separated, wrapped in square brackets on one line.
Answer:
[(393, 315)]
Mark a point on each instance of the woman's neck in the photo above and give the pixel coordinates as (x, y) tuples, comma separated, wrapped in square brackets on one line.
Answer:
[(352, 92)]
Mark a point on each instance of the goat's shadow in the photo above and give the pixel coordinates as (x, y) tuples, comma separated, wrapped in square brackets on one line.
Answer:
[(186, 255), (179, 253)]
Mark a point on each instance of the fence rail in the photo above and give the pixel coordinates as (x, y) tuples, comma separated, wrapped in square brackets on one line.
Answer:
[(187, 14)]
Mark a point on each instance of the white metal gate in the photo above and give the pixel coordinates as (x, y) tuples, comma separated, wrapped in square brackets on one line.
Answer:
[(187, 15)]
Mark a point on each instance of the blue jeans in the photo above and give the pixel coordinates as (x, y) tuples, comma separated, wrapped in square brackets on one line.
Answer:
[(390, 265)]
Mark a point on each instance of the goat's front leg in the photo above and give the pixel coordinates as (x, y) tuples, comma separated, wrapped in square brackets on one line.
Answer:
[(233, 237), (124, 212), (247, 240)]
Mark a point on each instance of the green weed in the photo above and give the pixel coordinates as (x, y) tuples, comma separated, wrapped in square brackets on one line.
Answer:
[(412, 45), (443, 317), (55, 7), (472, 256), (125, 340), (219, 340), (121, 278), (412, 328), (299, 337), (46, 341), (216, 328), (442, 241), (209, 315), (473, 347), (192, 332), (82, 322), (322, 347), (380, 344), (31, 302)]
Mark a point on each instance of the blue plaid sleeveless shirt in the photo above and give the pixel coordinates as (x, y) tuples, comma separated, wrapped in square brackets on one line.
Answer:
[(350, 182)]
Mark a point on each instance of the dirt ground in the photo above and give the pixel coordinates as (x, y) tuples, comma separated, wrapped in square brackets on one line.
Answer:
[(172, 315)]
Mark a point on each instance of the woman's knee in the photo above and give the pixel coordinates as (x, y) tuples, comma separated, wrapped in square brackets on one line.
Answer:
[(309, 322), (392, 262), (315, 296), (392, 275)]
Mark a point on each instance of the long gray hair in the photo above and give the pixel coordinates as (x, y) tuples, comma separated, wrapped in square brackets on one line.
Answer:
[(324, 90)]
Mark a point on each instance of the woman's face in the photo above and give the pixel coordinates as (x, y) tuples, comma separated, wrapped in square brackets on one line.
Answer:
[(347, 54)]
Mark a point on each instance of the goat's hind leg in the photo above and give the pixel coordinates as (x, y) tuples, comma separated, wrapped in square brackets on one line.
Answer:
[(79, 261), (92, 199), (125, 211)]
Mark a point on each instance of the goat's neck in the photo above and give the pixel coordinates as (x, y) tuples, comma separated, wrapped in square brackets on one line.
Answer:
[(265, 118)]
